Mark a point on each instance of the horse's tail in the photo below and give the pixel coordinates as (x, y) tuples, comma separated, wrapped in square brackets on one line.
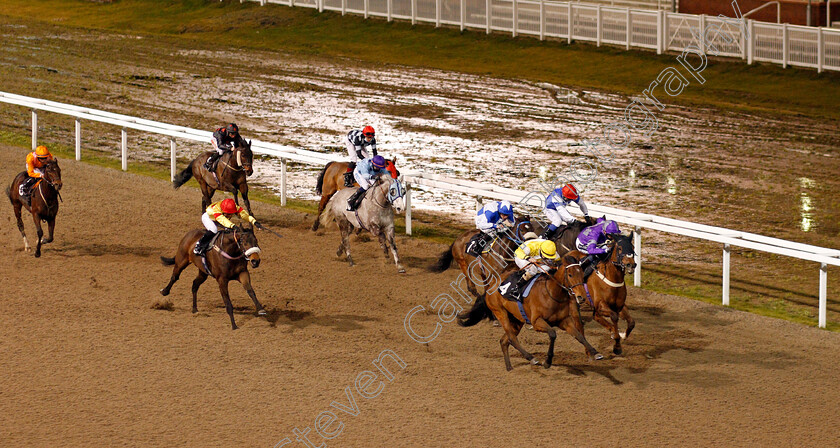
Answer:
[(476, 314), (319, 186), (183, 176), (444, 261), (167, 261), (328, 216)]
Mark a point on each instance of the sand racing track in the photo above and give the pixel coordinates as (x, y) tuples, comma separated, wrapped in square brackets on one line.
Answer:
[(87, 361)]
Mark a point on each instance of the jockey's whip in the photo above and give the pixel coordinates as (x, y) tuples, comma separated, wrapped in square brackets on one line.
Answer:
[(275, 233)]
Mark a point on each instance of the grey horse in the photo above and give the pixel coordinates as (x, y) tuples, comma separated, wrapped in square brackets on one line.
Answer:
[(375, 214)]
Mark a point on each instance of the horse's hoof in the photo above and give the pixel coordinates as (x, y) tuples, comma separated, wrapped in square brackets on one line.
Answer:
[(617, 350), (234, 327), (622, 334), (535, 361), (38, 254), (496, 323), (546, 364), (401, 270), (164, 292), (598, 357), (262, 312)]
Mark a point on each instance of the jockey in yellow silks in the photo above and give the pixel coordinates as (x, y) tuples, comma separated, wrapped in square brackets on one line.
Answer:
[(220, 212)]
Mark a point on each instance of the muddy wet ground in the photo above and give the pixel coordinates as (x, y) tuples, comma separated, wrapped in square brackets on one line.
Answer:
[(771, 175)]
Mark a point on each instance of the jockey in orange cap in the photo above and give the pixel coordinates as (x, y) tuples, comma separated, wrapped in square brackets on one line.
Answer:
[(35, 162), (220, 212)]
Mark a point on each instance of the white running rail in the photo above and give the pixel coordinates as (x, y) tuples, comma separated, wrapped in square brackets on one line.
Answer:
[(794, 45), (728, 238)]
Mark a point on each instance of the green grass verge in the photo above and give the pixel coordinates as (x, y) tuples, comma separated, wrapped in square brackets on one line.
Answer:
[(730, 84)]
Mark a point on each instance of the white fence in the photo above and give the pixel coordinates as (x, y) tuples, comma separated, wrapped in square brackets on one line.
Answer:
[(639, 221), (660, 30)]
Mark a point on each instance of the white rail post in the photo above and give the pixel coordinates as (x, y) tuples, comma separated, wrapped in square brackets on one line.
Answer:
[(78, 139), (390, 6), (172, 159), (726, 252), (820, 50), (702, 38), (413, 12), (320, 5), (478, 202), (515, 16), (366, 8), (282, 182), (542, 19), (823, 293), (407, 208), (489, 19), (437, 13), (571, 23), (637, 246), (344, 7), (34, 129), (291, 3), (784, 45), (751, 42), (629, 33), (598, 26), (463, 13), (124, 149), (660, 31)]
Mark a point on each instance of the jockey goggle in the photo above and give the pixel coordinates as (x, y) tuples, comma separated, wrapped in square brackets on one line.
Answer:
[(42, 158), (369, 135)]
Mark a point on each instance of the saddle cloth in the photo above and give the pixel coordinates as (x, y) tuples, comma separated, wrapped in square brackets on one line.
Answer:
[(478, 245), (509, 290)]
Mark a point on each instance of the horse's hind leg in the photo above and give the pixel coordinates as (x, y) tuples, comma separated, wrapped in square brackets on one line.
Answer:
[(199, 279), (541, 325), (512, 328), (624, 314), (321, 205), (181, 263), (345, 228), (243, 188), (18, 206), (245, 279), (223, 287)]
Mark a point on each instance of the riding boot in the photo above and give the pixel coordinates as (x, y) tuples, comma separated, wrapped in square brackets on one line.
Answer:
[(355, 200), (588, 265), (550, 232), (348, 176), (201, 245), (25, 190), (211, 161)]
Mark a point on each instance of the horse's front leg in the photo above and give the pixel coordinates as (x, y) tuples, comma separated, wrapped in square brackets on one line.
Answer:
[(600, 316), (245, 279), (390, 240), (37, 218), (206, 197), (345, 228), (541, 325), (18, 207), (243, 188), (223, 287), (624, 314), (50, 230)]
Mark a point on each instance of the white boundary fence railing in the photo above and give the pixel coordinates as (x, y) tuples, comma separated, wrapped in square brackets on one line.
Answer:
[(784, 44), (728, 238)]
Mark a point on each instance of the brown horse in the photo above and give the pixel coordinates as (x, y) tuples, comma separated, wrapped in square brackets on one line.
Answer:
[(227, 259), (606, 288), (566, 239), (331, 180), (43, 203), (548, 305), (490, 264), (231, 174)]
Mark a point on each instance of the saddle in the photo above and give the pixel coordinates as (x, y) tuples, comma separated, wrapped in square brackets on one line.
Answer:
[(510, 287), (210, 246), (26, 187), (479, 244)]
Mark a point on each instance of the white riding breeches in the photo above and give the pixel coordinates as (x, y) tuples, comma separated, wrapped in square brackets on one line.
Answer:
[(209, 224), (558, 218), (351, 150)]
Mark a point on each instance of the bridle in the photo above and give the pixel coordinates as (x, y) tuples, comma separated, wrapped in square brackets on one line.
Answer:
[(569, 289), (616, 249), (242, 253), (237, 154)]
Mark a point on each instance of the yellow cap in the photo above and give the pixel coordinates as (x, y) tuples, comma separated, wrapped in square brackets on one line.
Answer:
[(549, 250), (42, 151)]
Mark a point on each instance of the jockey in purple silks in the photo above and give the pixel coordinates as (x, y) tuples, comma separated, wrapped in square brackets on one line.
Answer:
[(593, 240)]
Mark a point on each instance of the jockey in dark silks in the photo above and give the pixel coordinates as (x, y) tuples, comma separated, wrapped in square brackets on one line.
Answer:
[(593, 240), (224, 139)]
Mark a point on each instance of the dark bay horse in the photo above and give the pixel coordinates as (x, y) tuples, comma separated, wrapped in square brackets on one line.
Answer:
[(492, 263), (607, 290), (550, 304), (331, 180), (43, 205), (566, 240), (228, 260), (231, 174)]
